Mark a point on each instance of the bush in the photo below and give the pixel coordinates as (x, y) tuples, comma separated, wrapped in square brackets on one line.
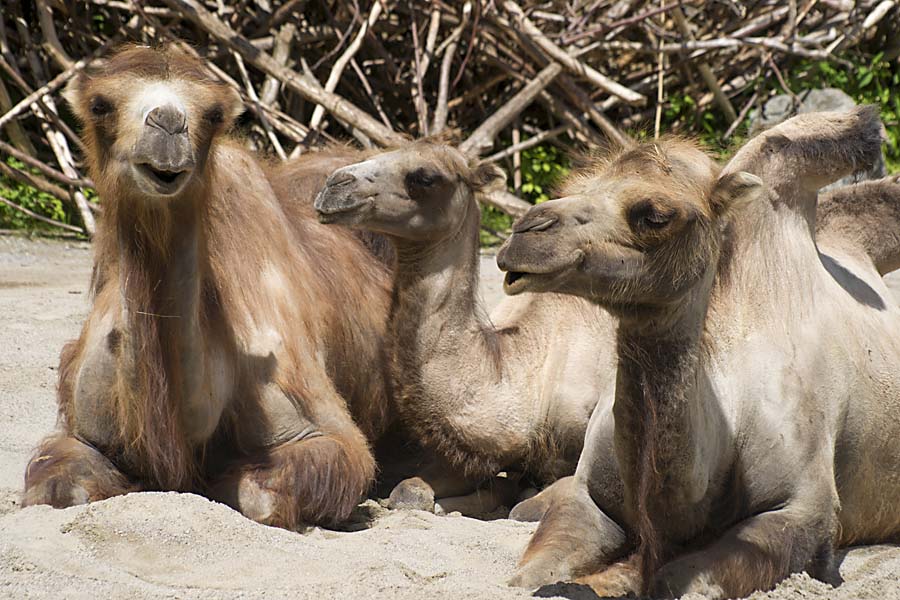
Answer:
[(30, 198)]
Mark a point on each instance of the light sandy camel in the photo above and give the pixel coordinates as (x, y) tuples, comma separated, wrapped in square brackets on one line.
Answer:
[(511, 391), (756, 420), (234, 344)]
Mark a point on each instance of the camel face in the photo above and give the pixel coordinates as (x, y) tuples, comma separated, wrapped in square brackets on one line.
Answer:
[(152, 116), (642, 227), (418, 193)]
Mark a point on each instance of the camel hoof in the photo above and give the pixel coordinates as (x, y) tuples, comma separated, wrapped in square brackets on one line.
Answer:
[(412, 494)]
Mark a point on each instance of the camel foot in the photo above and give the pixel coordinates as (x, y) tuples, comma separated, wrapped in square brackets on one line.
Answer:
[(532, 509), (314, 481), (617, 580), (65, 472), (574, 538), (412, 494)]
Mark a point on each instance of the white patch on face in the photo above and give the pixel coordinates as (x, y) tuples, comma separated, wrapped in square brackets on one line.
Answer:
[(154, 94)]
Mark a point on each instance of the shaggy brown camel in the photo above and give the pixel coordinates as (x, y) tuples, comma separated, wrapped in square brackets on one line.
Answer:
[(755, 422), (234, 343), (512, 391)]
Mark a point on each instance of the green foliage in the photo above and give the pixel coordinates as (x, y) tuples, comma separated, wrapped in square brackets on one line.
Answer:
[(872, 81), (30, 198), (543, 167), (493, 220)]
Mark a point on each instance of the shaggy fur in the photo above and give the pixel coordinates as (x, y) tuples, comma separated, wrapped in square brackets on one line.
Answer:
[(757, 363), (234, 344), (509, 391)]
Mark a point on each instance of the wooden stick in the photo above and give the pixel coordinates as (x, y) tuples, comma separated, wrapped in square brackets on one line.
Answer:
[(41, 218), (281, 52), (35, 182), (341, 63), (260, 113), (351, 115), (705, 71), (16, 133), (483, 137), (51, 39), (506, 202), (572, 64), (44, 168), (441, 111)]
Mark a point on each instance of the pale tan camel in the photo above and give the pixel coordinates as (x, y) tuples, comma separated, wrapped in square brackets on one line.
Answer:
[(756, 420), (234, 343), (511, 391)]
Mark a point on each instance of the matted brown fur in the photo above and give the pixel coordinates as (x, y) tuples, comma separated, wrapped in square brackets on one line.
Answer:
[(326, 302)]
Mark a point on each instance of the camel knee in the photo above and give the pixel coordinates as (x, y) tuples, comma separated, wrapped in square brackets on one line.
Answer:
[(532, 509), (314, 481), (574, 538), (65, 472)]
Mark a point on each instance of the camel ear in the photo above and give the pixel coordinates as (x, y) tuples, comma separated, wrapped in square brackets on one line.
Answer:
[(734, 190), (74, 95), (487, 178), (233, 106)]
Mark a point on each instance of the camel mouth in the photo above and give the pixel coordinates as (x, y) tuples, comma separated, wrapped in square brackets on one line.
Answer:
[(344, 214), (164, 182), (516, 282)]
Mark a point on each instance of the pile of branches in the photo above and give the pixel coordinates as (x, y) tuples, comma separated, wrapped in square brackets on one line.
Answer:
[(507, 74)]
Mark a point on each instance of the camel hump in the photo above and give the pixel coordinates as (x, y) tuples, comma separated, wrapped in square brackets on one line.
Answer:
[(809, 151), (867, 215)]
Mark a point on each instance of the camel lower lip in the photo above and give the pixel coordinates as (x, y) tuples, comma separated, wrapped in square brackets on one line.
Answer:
[(333, 216), (164, 181), (516, 281)]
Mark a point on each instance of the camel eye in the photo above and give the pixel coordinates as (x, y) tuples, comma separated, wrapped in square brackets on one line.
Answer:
[(215, 116), (100, 106), (422, 178), (647, 215)]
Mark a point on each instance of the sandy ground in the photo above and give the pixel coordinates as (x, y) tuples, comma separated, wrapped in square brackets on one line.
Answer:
[(155, 545)]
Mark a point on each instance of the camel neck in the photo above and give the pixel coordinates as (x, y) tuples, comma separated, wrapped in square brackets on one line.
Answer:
[(161, 266), (445, 358), (436, 287), (662, 421)]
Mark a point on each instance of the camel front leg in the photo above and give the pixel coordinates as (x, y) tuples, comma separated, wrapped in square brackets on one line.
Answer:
[(753, 555), (65, 471), (574, 538), (494, 493)]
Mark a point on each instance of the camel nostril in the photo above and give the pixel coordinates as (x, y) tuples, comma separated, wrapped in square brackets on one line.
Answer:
[(168, 118), (340, 178), (535, 225)]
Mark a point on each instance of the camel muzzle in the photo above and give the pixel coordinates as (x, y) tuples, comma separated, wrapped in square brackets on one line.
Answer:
[(163, 158), (338, 200)]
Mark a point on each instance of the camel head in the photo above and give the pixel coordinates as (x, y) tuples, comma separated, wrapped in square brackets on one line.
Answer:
[(151, 116), (638, 230), (419, 193)]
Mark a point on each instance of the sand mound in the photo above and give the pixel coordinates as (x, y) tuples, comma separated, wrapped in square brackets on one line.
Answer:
[(151, 545)]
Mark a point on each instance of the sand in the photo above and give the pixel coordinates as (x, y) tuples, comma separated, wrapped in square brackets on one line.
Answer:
[(167, 545)]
